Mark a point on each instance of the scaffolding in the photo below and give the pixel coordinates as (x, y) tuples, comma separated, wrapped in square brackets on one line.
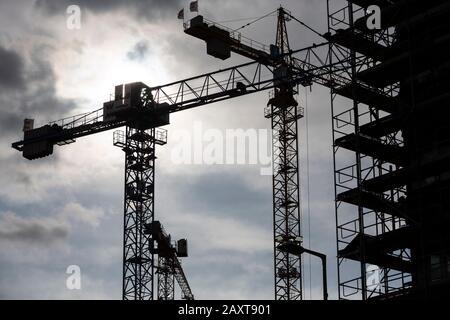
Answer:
[(390, 144), (373, 256)]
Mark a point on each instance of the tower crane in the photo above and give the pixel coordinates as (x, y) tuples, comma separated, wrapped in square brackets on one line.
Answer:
[(284, 111), (169, 266), (143, 110)]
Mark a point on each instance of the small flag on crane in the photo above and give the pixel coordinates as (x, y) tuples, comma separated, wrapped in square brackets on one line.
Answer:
[(193, 6), (181, 14)]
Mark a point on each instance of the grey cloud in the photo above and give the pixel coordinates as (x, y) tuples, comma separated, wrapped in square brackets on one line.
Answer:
[(11, 69), (139, 51), (248, 275), (47, 229), (147, 9), (37, 98), (33, 231), (219, 194)]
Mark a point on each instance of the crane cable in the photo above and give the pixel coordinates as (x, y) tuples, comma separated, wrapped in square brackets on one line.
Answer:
[(237, 20), (306, 26), (256, 20)]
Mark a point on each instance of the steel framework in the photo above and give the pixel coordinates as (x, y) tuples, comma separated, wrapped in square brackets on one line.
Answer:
[(368, 147), (166, 278)]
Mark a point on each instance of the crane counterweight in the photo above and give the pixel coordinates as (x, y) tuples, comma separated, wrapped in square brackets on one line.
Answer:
[(40, 148)]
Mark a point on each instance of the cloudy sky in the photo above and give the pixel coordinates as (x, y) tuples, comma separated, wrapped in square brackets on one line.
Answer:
[(67, 209)]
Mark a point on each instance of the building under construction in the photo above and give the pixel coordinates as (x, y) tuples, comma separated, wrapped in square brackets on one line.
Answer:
[(391, 147)]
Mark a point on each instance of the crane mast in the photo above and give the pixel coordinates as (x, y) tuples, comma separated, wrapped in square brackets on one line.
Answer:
[(284, 114), (138, 261)]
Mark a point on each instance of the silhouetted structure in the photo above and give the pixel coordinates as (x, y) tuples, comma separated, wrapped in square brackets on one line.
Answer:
[(391, 145), (392, 149)]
